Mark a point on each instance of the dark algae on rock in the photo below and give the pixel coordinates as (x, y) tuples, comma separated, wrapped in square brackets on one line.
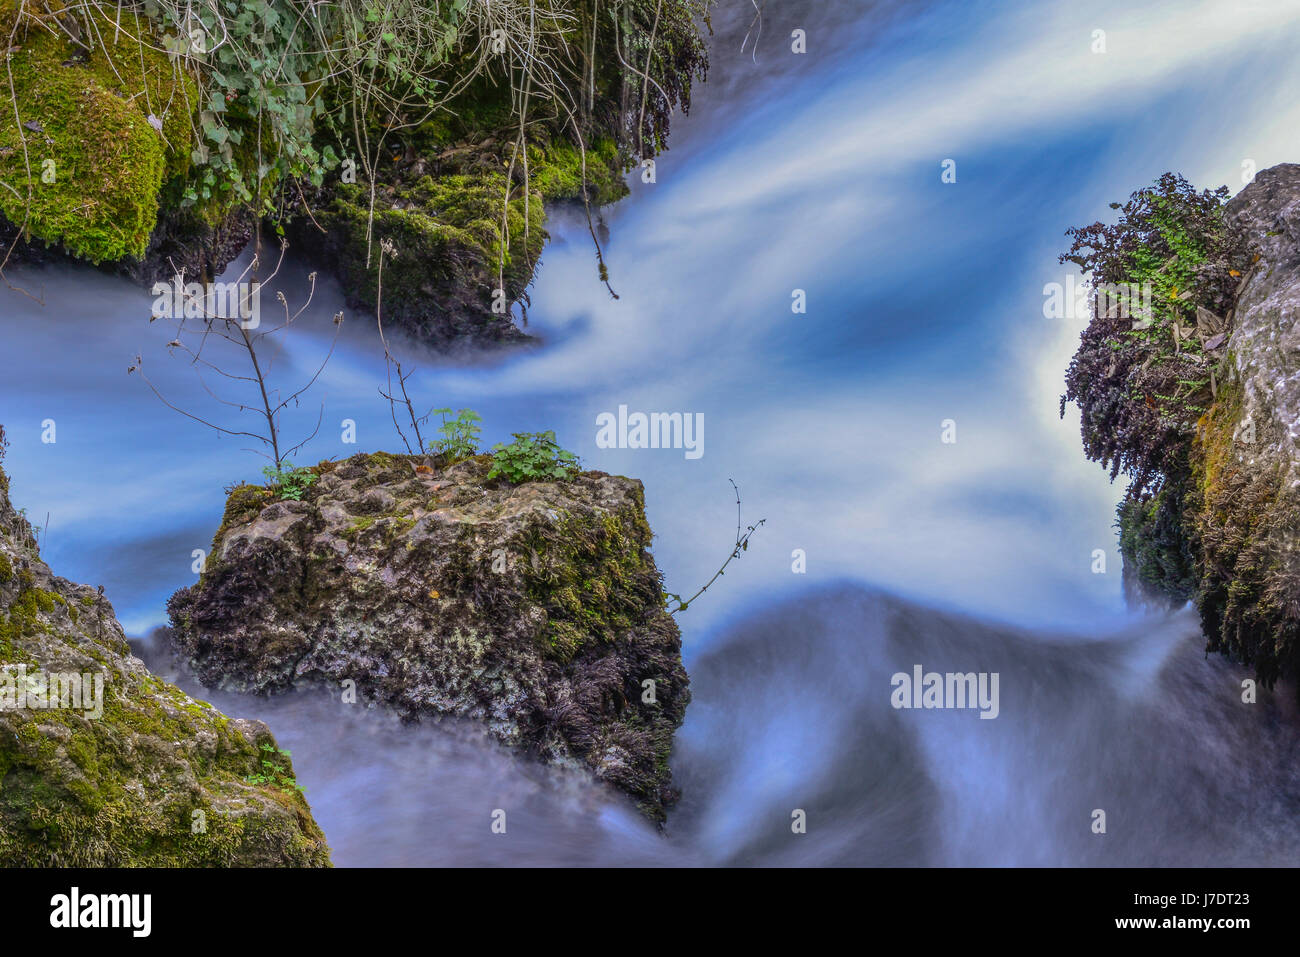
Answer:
[(1200, 405), (139, 774), (534, 608)]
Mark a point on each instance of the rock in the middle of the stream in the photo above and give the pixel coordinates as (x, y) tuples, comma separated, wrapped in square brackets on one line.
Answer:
[(534, 608)]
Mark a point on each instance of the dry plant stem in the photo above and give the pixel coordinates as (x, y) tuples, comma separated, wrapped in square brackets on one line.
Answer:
[(645, 83), (741, 544), (758, 20), (27, 162), (391, 362), (233, 330)]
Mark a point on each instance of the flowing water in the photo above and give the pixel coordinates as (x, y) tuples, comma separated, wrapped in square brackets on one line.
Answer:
[(819, 172)]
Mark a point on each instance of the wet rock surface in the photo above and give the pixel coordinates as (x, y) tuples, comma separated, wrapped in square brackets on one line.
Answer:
[(536, 609), (120, 768)]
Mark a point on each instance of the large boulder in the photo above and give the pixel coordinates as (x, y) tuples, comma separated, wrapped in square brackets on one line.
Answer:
[(1246, 519), (536, 609), (1202, 411), (135, 773)]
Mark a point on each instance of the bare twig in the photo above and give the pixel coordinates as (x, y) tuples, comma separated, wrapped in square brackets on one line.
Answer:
[(741, 545), (392, 363), (237, 331)]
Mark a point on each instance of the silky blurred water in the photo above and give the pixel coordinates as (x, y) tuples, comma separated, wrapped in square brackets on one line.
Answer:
[(818, 172)]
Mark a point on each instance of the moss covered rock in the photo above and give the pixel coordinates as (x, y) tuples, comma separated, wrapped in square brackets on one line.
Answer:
[(1245, 503), (536, 609), (148, 776), (103, 161), (451, 249), (462, 257), (97, 135), (1213, 514)]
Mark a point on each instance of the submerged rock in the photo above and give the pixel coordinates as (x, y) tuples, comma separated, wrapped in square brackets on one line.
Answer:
[(118, 768), (535, 608)]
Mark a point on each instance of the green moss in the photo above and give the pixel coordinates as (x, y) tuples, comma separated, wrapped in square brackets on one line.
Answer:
[(1247, 580), (556, 171), (24, 618), (85, 126), (244, 504), (444, 230), (591, 576), (63, 803), (360, 525), (6, 569), (393, 526), (1215, 451)]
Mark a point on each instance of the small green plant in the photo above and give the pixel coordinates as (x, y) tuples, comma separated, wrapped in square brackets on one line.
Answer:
[(289, 481), (275, 771), (532, 457), (459, 435), (1141, 386)]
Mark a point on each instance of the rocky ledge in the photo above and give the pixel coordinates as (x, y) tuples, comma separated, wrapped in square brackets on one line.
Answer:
[(536, 609), (102, 764), (1247, 524), (1205, 417)]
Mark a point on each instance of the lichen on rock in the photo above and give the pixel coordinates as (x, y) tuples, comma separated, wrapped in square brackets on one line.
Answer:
[(156, 778), (535, 609)]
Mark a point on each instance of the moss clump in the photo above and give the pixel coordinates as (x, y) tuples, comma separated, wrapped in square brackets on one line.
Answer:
[(393, 527), (556, 171), (83, 162), (1241, 513), (591, 577), (244, 504), (448, 233), (23, 617)]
